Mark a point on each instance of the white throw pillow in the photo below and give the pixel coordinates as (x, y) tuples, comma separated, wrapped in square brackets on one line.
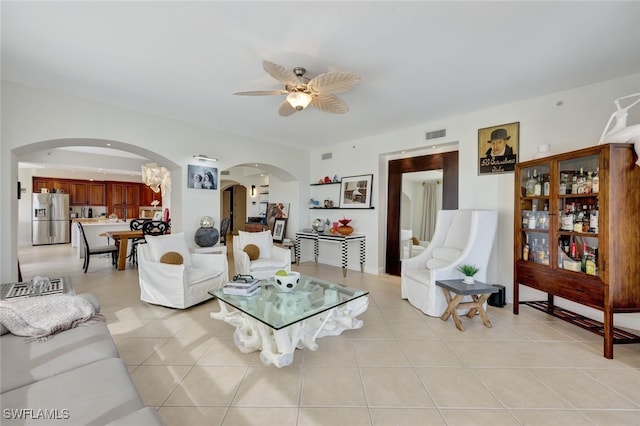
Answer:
[(446, 253), (437, 263), (263, 240), (161, 244)]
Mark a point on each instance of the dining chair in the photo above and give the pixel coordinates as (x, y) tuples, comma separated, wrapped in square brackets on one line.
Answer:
[(136, 225), (155, 227), (90, 251), (224, 229)]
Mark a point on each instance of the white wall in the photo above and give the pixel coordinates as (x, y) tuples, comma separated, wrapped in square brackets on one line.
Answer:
[(577, 123), (33, 120), (30, 116)]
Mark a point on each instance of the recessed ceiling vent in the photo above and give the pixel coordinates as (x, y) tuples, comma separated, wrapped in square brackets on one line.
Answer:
[(225, 173), (437, 134), (327, 156)]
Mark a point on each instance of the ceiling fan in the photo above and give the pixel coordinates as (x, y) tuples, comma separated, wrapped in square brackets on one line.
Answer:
[(319, 92)]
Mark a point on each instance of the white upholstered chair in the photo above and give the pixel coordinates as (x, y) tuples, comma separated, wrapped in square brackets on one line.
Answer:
[(460, 237), (270, 258), (178, 285)]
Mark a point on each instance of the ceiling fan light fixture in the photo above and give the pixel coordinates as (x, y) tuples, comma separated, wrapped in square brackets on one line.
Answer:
[(299, 100)]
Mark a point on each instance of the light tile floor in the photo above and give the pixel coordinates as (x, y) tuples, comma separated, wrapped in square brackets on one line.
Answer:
[(401, 368)]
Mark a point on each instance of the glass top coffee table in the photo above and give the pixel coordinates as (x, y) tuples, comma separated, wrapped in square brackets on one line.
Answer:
[(276, 322)]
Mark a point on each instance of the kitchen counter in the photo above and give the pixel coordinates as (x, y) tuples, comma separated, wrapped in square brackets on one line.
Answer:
[(92, 230), (97, 221)]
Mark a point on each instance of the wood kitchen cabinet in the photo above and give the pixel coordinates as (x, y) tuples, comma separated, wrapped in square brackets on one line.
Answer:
[(96, 193), (51, 184), (78, 195), (147, 196), (124, 200), (576, 235)]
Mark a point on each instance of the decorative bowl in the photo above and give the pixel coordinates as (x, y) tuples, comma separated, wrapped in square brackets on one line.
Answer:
[(344, 222), (287, 283)]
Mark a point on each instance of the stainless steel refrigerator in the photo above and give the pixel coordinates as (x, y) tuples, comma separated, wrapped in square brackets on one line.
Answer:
[(50, 221)]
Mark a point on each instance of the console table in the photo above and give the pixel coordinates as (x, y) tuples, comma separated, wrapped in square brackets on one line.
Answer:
[(344, 240)]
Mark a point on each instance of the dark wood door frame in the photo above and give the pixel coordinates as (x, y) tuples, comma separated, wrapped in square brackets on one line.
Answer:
[(448, 162)]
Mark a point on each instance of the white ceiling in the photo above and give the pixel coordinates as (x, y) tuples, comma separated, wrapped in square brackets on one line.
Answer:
[(418, 61)]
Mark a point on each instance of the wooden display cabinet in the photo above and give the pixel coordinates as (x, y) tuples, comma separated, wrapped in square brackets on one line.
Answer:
[(576, 243)]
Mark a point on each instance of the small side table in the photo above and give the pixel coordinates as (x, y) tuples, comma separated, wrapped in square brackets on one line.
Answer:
[(478, 291)]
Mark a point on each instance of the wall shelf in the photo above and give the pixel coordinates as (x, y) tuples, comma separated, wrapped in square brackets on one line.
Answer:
[(341, 208), (320, 184)]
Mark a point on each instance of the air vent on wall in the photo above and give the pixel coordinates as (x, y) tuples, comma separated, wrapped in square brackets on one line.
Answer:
[(437, 134), (225, 173), (327, 156)]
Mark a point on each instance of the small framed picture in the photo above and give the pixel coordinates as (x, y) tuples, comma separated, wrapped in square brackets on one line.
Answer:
[(157, 216), (279, 229), (498, 148), (355, 192), (200, 177)]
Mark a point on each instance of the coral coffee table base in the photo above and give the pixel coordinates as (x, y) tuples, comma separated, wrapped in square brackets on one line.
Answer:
[(276, 324)]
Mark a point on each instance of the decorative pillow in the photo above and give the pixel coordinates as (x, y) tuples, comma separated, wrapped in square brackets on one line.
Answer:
[(252, 250), (172, 258), (437, 263), (447, 254), (162, 244), (415, 241), (263, 240)]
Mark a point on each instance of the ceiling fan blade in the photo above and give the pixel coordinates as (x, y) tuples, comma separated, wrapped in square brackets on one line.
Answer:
[(280, 73), (333, 82), (261, 92), (286, 109), (327, 102)]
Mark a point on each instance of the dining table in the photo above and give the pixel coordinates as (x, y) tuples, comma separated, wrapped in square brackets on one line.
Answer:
[(122, 241)]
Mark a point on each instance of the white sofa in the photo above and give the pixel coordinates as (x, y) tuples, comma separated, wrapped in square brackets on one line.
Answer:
[(74, 377), (178, 285), (460, 237)]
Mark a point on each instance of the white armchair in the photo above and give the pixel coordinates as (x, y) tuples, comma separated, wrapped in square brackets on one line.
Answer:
[(178, 285), (460, 237), (270, 258), (411, 246)]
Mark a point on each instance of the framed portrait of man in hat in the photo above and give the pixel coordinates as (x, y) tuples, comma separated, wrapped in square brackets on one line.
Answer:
[(498, 148)]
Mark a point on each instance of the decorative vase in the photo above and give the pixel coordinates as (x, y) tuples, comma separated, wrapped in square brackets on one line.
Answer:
[(344, 229), (468, 280), (207, 237)]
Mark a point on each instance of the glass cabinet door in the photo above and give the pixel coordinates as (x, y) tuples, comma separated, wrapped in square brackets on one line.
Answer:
[(535, 190), (578, 216)]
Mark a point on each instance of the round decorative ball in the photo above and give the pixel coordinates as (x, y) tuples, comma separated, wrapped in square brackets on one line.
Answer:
[(207, 237), (206, 222)]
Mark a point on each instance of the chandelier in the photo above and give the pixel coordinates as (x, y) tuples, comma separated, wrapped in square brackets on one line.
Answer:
[(156, 177)]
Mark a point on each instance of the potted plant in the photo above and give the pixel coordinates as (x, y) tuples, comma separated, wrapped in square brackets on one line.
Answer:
[(468, 271)]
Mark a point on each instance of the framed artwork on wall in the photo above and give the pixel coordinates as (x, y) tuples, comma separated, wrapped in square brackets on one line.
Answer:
[(355, 192), (498, 148), (279, 230), (201, 177), (276, 211)]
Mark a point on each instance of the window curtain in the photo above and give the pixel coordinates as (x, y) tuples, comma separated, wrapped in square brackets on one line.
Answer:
[(429, 210)]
